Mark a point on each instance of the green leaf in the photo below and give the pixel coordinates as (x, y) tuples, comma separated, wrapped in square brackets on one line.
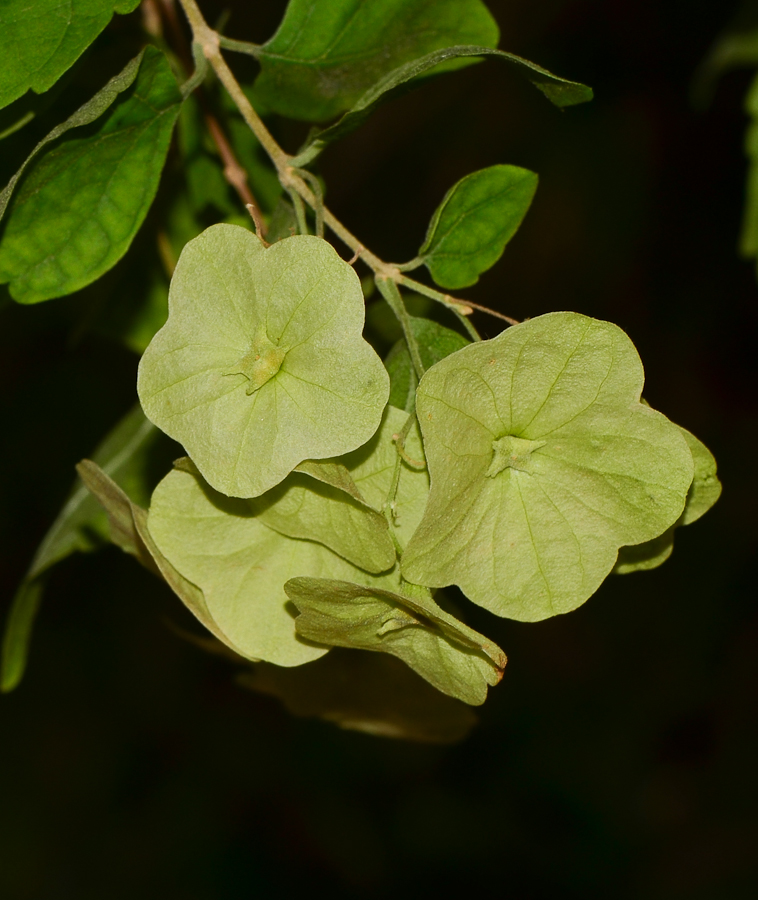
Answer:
[(80, 526), (703, 493), (324, 56), (369, 692), (474, 222), (129, 531), (262, 363), (543, 462), (80, 204), (240, 566), (85, 115), (406, 77), (435, 342), (39, 41), (328, 508), (453, 658)]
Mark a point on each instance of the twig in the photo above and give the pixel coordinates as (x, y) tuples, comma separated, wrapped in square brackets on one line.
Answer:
[(260, 225), (490, 312), (234, 173), (294, 183)]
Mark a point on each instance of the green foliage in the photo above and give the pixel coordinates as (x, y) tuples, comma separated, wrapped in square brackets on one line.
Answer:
[(474, 222), (324, 495), (80, 203), (86, 114), (39, 42), (435, 342), (325, 55), (411, 74)]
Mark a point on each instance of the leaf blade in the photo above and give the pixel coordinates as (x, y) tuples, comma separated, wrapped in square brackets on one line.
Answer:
[(38, 47), (476, 219), (324, 56), (560, 91), (80, 204), (435, 342), (86, 114)]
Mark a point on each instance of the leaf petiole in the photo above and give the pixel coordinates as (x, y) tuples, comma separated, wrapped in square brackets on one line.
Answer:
[(389, 290)]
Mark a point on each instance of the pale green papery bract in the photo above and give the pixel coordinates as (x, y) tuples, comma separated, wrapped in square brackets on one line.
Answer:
[(241, 566), (543, 462), (302, 509), (703, 493), (262, 363), (331, 512), (455, 659)]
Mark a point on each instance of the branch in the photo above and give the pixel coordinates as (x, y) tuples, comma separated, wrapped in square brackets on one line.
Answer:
[(234, 173), (293, 182)]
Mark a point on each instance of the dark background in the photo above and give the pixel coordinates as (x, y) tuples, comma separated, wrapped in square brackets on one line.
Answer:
[(618, 756)]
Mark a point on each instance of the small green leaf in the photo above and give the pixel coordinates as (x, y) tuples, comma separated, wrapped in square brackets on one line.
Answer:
[(703, 493), (39, 41), (80, 204), (324, 56), (406, 77), (80, 526), (543, 462), (435, 342), (369, 692), (331, 512), (240, 566), (474, 222), (453, 658), (262, 363)]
